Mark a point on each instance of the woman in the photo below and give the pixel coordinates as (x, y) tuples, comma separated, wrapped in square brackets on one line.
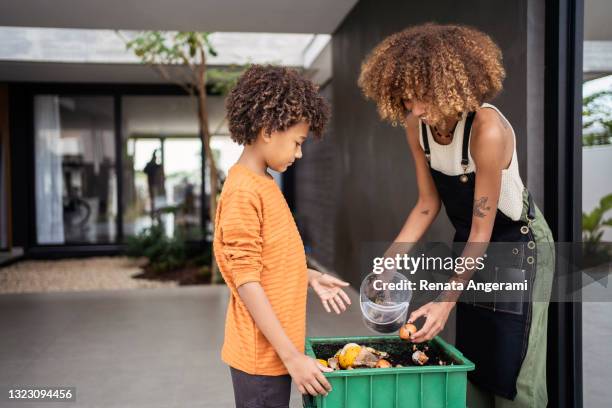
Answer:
[(436, 80)]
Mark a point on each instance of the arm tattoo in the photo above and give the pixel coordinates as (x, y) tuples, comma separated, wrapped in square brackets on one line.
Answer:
[(480, 206), (425, 212)]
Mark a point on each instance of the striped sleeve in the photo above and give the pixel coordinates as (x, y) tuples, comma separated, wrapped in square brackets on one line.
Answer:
[(241, 236)]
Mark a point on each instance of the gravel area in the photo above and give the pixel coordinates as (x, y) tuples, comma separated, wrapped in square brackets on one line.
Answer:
[(96, 273)]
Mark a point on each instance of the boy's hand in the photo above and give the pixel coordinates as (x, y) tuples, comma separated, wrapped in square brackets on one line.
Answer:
[(306, 373), (329, 290)]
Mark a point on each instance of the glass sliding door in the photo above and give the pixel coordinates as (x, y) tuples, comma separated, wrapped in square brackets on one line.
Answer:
[(597, 203), (74, 167), (162, 165)]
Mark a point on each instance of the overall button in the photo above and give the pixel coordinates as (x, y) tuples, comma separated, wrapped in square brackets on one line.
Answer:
[(531, 245), (524, 230), (530, 260)]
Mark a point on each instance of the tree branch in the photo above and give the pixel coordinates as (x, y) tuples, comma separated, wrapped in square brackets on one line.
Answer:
[(164, 73)]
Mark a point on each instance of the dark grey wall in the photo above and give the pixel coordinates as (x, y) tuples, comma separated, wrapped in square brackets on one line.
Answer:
[(316, 193), (374, 181)]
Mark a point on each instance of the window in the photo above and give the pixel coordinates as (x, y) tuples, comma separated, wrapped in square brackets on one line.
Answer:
[(75, 178), (162, 165)]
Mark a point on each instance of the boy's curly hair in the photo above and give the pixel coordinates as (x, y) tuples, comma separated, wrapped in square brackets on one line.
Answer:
[(273, 99), (452, 68)]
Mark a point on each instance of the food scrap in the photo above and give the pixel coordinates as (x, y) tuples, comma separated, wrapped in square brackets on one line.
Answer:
[(322, 362), (380, 354), (352, 355), (348, 354), (407, 330), (419, 357), (382, 363)]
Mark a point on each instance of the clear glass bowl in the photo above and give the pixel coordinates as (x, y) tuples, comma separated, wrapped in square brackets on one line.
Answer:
[(384, 310)]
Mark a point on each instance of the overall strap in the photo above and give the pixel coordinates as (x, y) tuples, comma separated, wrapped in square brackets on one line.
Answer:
[(466, 140), (531, 212), (425, 141)]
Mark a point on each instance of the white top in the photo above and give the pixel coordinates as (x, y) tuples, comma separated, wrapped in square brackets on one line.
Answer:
[(447, 159)]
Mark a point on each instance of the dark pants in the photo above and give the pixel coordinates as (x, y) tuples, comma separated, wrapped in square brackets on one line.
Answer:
[(260, 391)]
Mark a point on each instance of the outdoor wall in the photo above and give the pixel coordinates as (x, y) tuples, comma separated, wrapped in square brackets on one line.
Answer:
[(316, 193), (373, 178)]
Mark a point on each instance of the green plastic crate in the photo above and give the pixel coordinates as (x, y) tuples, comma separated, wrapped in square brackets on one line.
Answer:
[(396, 387)]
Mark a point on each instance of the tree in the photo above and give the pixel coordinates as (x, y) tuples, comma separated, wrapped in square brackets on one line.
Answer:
[(180, 58), (597, 118)]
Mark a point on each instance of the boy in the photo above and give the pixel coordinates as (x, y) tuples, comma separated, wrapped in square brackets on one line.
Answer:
[(258, 247)]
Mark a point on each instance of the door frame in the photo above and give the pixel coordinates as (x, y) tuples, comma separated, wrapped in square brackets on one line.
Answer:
[(563, 186)]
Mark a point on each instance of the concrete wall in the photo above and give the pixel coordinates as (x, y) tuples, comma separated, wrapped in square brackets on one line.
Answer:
[(316, 194), (374, 185)]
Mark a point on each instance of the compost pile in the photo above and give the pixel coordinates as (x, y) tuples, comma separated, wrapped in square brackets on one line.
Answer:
[(382, 354)]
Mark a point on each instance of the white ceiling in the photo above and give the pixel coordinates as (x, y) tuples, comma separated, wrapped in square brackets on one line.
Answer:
[(74, 41), (67, 58), (170, 115), (275, 16), (108, 46)]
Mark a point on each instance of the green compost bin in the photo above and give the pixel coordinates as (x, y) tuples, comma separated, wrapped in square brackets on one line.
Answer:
[(396, 387)]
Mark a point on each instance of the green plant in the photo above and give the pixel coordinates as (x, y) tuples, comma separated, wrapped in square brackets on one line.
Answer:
[(221, 81), (593, 225), (137, 245), (164, 254), (597, 119)]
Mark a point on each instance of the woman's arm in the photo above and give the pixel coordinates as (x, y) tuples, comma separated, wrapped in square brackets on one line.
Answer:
[(428, 203), (488, 151)]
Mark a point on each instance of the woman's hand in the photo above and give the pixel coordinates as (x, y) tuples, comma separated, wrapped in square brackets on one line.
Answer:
[(329, 290), (436, 315), (307, 376)]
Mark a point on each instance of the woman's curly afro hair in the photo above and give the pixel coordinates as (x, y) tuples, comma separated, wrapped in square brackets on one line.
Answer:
[(272, 98), (452, 68)]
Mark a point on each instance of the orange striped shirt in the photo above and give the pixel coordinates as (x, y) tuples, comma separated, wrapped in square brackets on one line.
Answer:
[(257, 240)]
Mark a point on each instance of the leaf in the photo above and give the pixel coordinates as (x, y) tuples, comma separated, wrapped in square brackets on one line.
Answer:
[(596, 111), (591, 220), (606, 203)]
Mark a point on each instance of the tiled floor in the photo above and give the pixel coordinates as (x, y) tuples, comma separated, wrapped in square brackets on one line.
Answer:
[(160, 347), (131, 348)]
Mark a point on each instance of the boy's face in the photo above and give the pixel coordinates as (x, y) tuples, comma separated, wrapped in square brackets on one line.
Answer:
[(282, 148)]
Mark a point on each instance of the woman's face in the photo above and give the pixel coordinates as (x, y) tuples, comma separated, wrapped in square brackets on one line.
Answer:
[(422, 110)]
